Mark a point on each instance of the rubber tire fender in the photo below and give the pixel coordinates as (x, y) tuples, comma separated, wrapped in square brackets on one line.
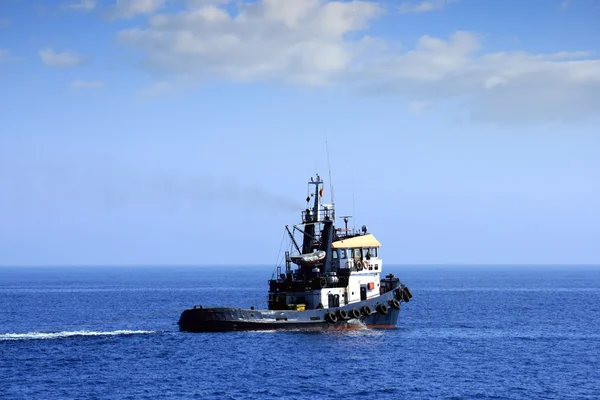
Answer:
[(355, 313), (331, 317), (382, 309), (342, 314), (366, 310), (405, 296), (395, 303), (398, 293)]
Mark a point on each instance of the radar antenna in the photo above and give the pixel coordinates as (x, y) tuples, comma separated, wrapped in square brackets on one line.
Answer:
[(345, 217)]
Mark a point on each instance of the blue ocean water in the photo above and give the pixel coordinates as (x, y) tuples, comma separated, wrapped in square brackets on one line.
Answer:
[(509, 332)]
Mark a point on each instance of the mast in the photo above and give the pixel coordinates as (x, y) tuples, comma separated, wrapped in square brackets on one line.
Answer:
[(317, 198), (310, 218), (330, 182)]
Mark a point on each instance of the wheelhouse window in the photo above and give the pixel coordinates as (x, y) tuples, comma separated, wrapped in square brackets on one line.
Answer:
[(373, 252), (342, 254)]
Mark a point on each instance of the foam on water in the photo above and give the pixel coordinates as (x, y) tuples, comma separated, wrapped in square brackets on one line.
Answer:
[(60, 335), (356, 324)]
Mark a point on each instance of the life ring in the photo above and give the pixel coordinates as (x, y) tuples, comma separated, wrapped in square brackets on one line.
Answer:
[(342, 314), (355, 313), (395, 303), (382, 309), (322, 282), (366, 264), (359, 266), (366, 310), (331, 317)]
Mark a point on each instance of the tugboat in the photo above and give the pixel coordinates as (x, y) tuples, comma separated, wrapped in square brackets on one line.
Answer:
[(335, 282)]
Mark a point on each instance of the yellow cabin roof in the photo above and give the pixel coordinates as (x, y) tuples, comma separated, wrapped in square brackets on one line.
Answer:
[(357, 241)]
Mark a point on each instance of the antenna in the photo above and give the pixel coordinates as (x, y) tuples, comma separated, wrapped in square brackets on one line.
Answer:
[(330, 180), (353, 211)]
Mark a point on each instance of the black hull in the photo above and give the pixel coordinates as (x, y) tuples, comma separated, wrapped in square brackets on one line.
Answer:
[(236, 319)]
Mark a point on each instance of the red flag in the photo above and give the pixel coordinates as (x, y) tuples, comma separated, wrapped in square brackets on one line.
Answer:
[(321, 192)]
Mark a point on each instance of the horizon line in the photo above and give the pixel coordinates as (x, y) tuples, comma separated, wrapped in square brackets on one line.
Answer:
[(114, 265)]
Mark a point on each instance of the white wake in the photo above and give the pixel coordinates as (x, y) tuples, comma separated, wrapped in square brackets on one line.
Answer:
[(356, 324), (60, 335)]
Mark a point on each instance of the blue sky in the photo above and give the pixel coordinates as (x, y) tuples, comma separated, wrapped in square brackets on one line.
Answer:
[(184, 132)]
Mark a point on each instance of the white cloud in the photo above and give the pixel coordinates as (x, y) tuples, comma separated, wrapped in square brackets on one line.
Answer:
[(201, 3), (321, 43), (514, 87), (423, 6), (81, 5), (87, 84), (287, 40), (493, 81), (51, 58), (131, 8)]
